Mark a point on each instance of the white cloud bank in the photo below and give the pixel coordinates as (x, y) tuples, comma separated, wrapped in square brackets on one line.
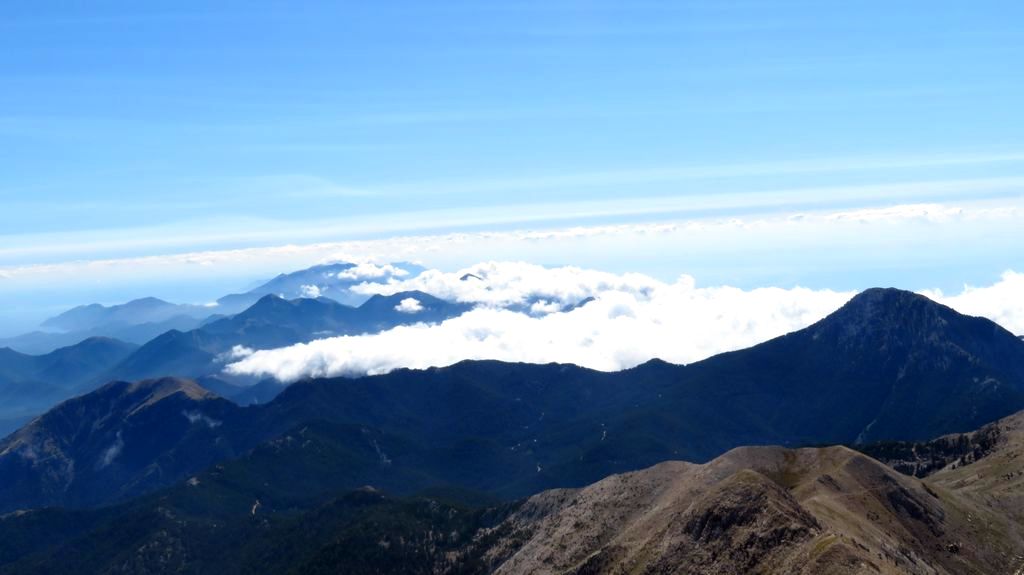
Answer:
[(505, 284), (1002, 302), (632, 318)]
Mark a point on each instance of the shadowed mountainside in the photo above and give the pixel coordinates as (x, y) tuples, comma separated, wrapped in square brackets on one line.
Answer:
[(517, 429), (751, 510), (32, 383), (116, 441)]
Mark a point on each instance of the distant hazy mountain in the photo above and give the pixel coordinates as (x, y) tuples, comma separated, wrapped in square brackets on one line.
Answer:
[(888, 365), (135, 312), (42, 342), (30, 384), (141, 320), (278, 320), (330, 281), (274, 322)]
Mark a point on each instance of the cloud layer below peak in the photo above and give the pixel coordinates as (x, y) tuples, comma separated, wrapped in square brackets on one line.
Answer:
[(591, 318), (569, 315)]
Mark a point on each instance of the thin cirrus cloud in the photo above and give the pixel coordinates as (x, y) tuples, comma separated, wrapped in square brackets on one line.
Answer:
[(25, 248), (668, 189), (631, 319), (700, 172), (938, 225), (907, 245), (748, 230)]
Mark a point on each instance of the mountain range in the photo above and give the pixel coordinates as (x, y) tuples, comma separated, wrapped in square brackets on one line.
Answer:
[(140, 320), (135, 312), (274, 322), (31, 384), (486, 466), (42, 342), (889, 365), (333, 281)]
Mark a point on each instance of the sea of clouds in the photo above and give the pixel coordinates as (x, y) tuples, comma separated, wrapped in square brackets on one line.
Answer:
[(530, 313)]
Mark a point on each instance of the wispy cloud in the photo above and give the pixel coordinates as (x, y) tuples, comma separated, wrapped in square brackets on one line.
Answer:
[(299, 186), (909, 245), (756, 231), (667, 174), (251, 231)]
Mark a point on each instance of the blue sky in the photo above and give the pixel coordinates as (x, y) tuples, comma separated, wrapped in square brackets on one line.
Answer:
[(148, 129)]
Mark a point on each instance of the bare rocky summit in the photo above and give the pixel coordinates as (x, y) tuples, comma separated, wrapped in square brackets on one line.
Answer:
[(774, 510)]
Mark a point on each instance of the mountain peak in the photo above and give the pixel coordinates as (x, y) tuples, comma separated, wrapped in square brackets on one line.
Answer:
[(269, 299), (156, 389), (148, 301), (133, 397), (887, 296), (783, 510), (94, 342), (892, 313), (887, 321), (120, 430), (398, 296), (876, 298)]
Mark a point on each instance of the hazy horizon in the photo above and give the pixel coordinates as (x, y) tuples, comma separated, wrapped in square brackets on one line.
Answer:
[(186, 151)]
